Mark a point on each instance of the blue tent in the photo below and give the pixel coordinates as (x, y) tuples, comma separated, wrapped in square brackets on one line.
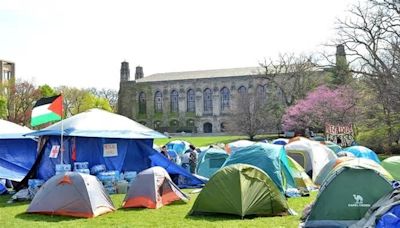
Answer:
[(3, 189), (17, 152), (210, 161), (270, 158), (390, 218), (363, 152), (100, 137), (179, 146)]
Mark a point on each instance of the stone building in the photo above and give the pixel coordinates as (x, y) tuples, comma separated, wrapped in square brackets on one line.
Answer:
[(7, 74), (193, 101)]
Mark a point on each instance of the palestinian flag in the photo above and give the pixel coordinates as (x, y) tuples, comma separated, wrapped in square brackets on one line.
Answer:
[(47, 109)]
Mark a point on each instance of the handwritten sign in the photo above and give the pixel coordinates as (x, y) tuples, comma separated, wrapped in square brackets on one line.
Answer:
[(55, 149), (343, 135), (110, 150)]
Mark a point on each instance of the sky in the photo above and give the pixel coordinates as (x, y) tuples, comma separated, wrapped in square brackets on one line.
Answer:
[(81, 43)]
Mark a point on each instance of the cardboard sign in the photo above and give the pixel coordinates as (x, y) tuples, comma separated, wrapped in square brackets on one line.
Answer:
[(110, 150), (55, 149)]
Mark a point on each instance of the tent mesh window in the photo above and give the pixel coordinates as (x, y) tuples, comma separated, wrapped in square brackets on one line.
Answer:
[(217, 163)]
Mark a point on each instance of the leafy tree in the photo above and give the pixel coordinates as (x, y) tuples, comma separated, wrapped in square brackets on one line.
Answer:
[(322, 106), (110, 95), (47, 91), (3, 107)]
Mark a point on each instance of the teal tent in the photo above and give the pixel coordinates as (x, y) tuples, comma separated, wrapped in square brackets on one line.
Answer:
[(270, 158), (210, 161)]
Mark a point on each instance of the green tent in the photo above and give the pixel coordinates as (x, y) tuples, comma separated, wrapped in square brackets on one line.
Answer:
[(392, 165), (242, 190), (210, 161), (270, 158), (348, 192)]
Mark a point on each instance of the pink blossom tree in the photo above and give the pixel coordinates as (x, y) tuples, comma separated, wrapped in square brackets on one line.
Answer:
[(322, 106)]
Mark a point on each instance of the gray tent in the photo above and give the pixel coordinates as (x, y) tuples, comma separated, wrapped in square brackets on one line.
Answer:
[(72, 194), (153, 188)]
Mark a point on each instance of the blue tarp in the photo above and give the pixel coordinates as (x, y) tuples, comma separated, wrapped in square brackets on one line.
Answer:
[(124, 155), (101, 137), (363, 152), (17, 152), (270, 158), (390, 219)]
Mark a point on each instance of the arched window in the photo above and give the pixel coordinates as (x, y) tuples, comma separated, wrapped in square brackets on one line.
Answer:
[(261, 94), (158, 102), (191, 105), (207, 96), (142, 103), (207, 127), (225, 99), (242, 91), (222, 126), (174, 101)]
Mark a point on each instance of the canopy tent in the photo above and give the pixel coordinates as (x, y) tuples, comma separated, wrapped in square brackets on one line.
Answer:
[(348, 192), (392, 165), (312, 156), (270, 158), (363, 152), (153, 188), (231, 147), (179, 146), (210, 161), (72, 194), (17, 152), (318, 138), (100, 137), (242, 190)]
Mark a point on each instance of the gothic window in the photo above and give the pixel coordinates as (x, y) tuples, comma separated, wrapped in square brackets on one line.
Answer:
[(158, 102), (142, 103), (261, 94), (225, 99), (191, 101), (207, 96), (242, 90), (174, 101)]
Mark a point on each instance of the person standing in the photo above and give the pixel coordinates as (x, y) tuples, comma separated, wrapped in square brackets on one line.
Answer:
[(192, 158)]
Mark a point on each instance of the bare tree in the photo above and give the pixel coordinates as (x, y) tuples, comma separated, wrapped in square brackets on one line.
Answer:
[(252, 116), (293, 76), (371, 37), (23, 95)]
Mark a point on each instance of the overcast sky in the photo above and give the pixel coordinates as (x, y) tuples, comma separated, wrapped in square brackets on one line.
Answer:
[(83, 42)]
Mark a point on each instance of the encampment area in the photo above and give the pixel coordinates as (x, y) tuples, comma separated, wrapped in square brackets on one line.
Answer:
[(121, 173)]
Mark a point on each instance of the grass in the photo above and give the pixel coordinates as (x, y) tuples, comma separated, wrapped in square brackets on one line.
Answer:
[(204, 141), (174, 215), (201, 141)]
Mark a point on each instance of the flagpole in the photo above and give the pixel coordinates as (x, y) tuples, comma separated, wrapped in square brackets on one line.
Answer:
[(62, 131)]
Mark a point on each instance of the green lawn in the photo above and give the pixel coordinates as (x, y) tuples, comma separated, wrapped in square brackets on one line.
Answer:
[(13, 215), (201, 141)]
